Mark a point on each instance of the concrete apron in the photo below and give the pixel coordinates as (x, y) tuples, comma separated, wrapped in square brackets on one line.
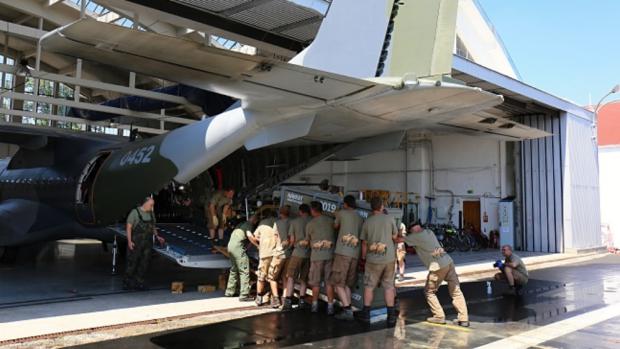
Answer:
[(62, 325)]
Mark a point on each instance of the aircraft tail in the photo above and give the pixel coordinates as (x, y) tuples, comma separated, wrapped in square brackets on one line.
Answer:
[(391, 38)]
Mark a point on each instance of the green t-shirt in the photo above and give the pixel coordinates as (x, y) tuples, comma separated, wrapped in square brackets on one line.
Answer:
[(320, 233), (238, 237), (281, 230), (297, 228), (268, 241), (378, 231), (425, 243), (134, 217), (520, 265), (350, 223)]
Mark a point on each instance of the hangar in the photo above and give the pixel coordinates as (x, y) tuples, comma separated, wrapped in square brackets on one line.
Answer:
[(104, 102)]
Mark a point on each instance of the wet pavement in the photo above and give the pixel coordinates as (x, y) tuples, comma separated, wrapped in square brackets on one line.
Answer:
[(553, 295)]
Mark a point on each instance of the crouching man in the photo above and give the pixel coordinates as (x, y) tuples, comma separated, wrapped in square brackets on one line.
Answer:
[(440, 267), (512, 270)]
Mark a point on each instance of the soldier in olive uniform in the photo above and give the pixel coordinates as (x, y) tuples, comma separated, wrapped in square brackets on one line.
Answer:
[(240, 264), (140, 231), (216, 211)]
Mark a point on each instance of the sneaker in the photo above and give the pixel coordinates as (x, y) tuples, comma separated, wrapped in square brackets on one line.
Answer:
[(315, 307), (275, 302), (460, 323), (259, 300), (303, 304), (436, 320), (246, 298), (401, 278), (345, 314), (510, 292), (362, 315), (288, 304), (392, 316), (330, 309), (229, 294)]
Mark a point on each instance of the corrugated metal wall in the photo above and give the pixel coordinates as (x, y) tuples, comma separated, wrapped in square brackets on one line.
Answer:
[(582, 220), (542, 187)]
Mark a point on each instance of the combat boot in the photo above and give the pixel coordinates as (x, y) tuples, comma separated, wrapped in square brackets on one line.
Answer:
[(363, 315), (275, 302), (288, 304), (392, 316)]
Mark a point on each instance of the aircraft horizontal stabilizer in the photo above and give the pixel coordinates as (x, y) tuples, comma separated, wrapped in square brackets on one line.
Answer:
[(281, 132)]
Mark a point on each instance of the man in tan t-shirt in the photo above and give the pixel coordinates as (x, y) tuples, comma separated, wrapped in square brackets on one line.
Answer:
[(217, 212), (268, 244), (440, 267), (378, 236), (320, 235), (513, 271), (298, 266), (344, 268)]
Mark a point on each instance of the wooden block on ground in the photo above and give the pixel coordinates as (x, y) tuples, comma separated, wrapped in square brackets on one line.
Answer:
[(177, 287), (206, 288), (222, 282)]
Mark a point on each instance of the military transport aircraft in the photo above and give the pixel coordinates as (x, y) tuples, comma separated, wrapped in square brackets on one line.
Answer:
[(375, 68)]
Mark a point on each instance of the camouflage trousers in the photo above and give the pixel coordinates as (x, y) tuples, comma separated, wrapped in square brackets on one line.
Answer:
[(138, 259), (239, 273)]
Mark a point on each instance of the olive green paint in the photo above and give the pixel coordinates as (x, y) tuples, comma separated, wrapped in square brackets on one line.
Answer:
[(118, 187), (423, 38)]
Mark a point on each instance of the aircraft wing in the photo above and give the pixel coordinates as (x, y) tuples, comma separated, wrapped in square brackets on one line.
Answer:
[(344, 108), (35, 137)]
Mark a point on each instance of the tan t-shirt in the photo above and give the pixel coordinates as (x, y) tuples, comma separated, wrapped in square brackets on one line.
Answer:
[(348, 243), (425, 243), (520, 265), (281, 230), (297, 228), (268, 241), (320, 233), (378, 231), (219, 200)]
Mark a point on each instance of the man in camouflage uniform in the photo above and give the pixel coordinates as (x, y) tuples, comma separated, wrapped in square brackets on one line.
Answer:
[(140, 231), (240, 264), (218, 206)]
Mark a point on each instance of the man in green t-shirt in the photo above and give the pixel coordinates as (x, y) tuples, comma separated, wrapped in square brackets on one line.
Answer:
[(140, 231), (217, 211), (240, 264), (440, 268), (344, 268), (378, 236), (298, 265), (320, 234), (513, 271)]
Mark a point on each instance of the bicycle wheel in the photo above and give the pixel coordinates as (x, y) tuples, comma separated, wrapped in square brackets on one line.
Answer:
[(463, 243), (449, 244)]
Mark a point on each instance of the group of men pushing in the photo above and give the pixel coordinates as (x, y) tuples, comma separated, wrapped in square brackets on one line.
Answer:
[(313, 248)]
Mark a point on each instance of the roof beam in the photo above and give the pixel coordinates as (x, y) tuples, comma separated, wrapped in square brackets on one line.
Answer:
[(297, 24), (21, 31), (242, 7)]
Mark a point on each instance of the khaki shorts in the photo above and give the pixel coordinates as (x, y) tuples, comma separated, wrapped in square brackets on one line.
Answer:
[(297, 268), (319, 271), (344, 271), (269, 268), (520, 278), (221, 222), (379, 274), (400, 255)]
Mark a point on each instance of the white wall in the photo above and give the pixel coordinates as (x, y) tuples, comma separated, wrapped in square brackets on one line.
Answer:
[(582, 219), (471, 167), (609, 168)]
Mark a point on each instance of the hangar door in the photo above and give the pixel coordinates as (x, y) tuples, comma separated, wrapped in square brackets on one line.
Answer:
[(541, 187)]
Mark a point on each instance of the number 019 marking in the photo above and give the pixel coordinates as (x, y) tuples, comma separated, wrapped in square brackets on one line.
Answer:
[(138, 156)]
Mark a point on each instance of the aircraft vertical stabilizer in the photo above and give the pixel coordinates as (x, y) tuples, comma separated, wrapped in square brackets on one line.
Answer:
[(390, 38)]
